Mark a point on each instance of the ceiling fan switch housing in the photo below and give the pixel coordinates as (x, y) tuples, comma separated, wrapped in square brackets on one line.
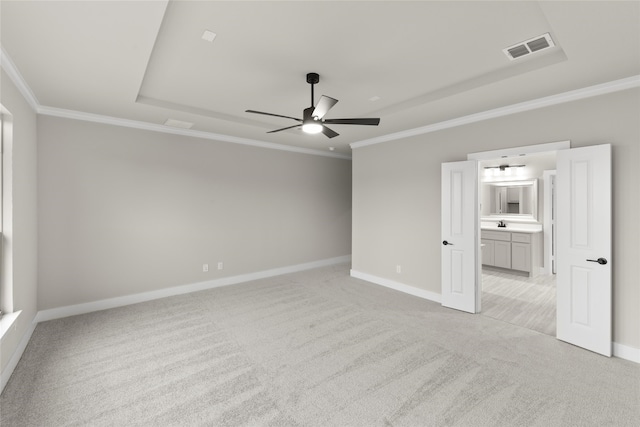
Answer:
[(313, 78)]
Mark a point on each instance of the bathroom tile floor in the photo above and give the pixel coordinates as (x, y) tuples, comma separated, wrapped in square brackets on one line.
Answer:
[(523, 301)]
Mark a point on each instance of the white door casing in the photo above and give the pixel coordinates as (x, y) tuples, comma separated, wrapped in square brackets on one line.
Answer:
[(549, 241), (460, 236), (584, 237)]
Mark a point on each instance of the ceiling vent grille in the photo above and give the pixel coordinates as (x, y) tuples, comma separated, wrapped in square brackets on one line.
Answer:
[(530, 46)]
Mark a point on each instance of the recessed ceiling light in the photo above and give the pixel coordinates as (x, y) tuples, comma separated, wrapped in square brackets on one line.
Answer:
[(208, 35), (374, 98), (178, 124), (331, 148)]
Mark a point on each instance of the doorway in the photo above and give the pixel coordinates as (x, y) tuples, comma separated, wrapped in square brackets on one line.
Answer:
[(584, 223), (515, 288), (529, 302)]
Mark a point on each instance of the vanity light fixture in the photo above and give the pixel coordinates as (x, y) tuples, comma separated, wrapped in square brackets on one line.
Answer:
[(504, 167)]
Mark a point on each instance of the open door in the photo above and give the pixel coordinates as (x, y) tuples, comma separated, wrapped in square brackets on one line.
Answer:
[(584, 247), (459, 252)]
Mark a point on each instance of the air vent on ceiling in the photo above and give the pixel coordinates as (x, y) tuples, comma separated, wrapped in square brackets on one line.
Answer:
[(528, 47)]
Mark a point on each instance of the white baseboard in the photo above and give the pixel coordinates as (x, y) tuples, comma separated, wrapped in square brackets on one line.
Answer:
[(72, 310), (626, 352), (411, 290), (619, 350), (15, 358)]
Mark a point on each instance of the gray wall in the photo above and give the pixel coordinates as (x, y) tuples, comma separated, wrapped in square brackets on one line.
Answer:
[(396, 192), (123, 211), (22, 237)]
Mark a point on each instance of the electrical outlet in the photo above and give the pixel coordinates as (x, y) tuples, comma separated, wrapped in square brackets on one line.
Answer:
[(399, 269), (220, 265), (205, 268)]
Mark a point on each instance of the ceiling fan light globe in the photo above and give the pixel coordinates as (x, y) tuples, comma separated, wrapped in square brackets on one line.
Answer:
[(312, 128)]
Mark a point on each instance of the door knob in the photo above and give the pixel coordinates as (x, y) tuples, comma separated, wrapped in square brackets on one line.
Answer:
[(444, 242), (601, 261)]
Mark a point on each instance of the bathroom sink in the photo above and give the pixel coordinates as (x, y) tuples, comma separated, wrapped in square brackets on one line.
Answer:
[(518, 228)]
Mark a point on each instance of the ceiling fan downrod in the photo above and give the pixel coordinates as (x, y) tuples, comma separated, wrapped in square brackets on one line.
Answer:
[(312, 79)]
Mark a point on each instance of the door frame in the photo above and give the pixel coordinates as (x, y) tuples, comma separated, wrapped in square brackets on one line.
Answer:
[(514, 152), (527, 149), (495, 154), (549, 241)]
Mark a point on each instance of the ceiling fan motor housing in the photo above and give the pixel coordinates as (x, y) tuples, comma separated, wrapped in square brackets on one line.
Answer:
[(307, 114)]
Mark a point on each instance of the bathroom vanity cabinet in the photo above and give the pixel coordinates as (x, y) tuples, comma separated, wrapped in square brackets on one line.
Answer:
[(513, 250)]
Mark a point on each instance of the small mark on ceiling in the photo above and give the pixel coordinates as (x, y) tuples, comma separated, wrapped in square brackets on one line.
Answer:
[(178, 124), (208, 35)]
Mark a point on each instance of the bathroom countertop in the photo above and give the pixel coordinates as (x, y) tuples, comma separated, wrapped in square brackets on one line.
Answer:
[(517, 228)]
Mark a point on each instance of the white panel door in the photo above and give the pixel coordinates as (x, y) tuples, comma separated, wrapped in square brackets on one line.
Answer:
[(460, 239), (584, 247)]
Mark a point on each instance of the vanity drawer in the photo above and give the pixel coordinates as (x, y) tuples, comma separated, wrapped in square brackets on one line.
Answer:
[(521, 237), (496, 235)]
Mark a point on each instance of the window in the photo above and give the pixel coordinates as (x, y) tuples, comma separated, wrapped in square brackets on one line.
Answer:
[(6, 291), (9, 315), (2, 132)]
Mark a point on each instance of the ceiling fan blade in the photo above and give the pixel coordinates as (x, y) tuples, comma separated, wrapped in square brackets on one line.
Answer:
[(368, 122), (271, 114), (323, 106), (289, 127), (329, 132)]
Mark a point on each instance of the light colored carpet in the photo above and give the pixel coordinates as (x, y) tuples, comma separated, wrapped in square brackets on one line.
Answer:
[(529, 302), (316, 348)]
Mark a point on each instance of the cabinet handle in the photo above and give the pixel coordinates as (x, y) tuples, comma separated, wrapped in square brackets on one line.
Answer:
[(601, 261)]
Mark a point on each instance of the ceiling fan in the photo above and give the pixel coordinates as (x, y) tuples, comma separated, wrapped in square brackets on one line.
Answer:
[(313, 120)]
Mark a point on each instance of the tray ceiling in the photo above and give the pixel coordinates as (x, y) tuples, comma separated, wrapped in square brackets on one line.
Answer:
[(410, 63)]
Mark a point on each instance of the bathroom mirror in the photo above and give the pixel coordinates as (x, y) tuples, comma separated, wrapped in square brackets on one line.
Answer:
[(504, 199)]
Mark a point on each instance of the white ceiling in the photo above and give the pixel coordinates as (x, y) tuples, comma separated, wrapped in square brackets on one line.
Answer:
[(427, 61)]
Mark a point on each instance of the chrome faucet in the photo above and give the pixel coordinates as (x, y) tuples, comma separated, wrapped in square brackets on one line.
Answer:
[(501, 224)]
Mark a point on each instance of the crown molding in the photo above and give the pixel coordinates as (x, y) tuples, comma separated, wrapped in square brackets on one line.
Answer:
[(588, 92), (12, 71), (135, 124), (561, 98), (10, 68)]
